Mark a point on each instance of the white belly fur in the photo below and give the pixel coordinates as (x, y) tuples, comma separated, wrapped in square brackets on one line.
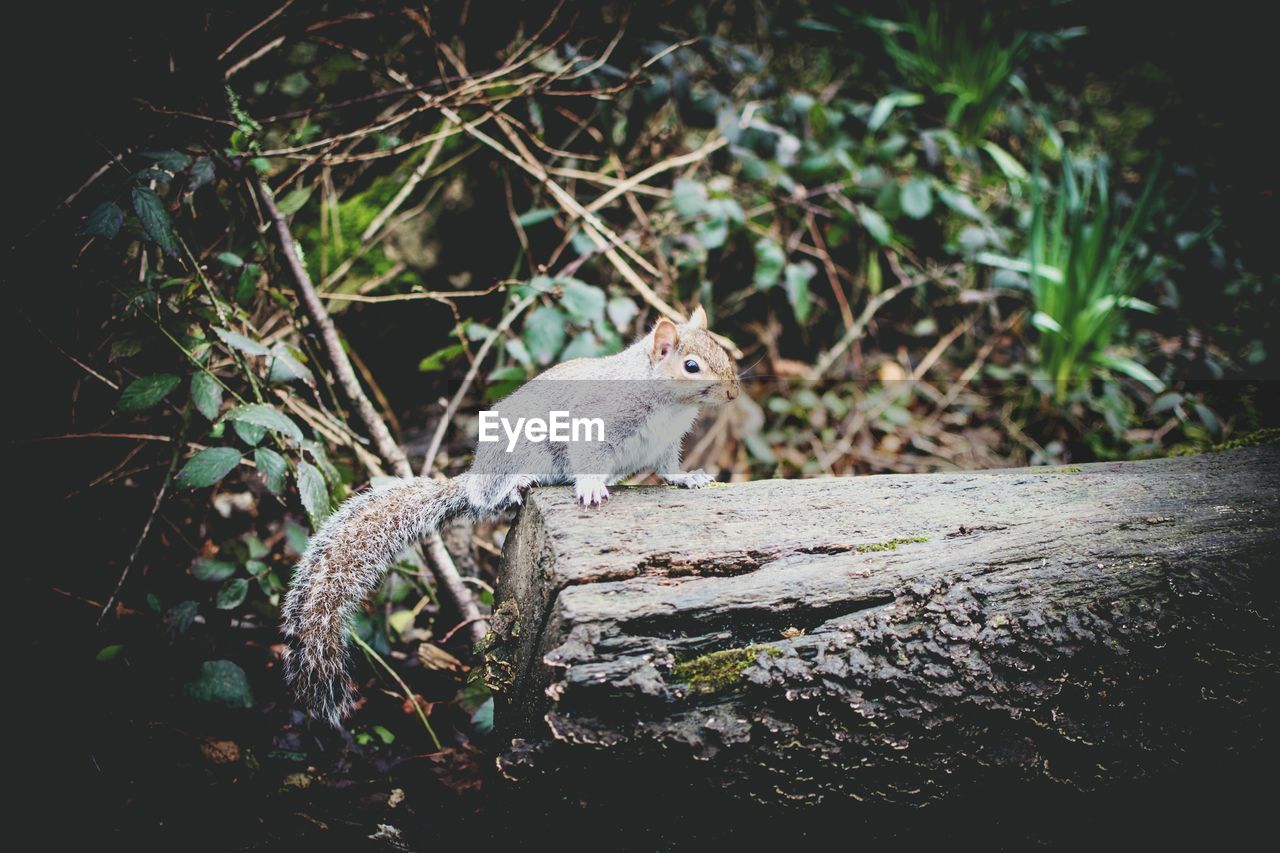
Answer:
[(647, 448)]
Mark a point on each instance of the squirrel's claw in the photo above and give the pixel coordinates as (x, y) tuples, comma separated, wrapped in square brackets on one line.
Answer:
[(591, 491)]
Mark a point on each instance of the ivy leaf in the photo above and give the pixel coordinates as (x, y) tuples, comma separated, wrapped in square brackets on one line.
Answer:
[(584, 302), (142, 394), (214, 571), (208, 467), (544, 333), (232, 594), (797, 278), (174, 161), (221, 682), (264, 415), (770, 259), (313, 491), (293, 201), (916, 198), (155, 219), (206, 395), (103, 221)]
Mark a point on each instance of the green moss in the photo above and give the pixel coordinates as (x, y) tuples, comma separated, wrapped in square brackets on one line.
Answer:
[(1066, 469), (1259, 437), (718, 671), (889, 544)]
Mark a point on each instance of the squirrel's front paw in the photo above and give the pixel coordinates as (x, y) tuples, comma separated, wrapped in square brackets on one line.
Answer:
[(690, 479), (591, 491)]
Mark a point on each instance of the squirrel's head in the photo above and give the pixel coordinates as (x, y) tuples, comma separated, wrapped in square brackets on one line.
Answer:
[(703, 372)]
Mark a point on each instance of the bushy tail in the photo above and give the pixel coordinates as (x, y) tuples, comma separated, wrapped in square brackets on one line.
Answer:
[(344, 562)]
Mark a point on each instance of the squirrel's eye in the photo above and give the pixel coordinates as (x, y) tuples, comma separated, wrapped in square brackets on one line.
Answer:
[(691, 366)]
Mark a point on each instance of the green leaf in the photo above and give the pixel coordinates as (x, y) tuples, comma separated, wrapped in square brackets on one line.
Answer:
[(482, 719), (142, 394), (109, 653), (797, 278), (544, 333), (208, 467), (232, 594), (230, 259), (155, 219), (206, 395), (712, 233), (689, 197), (438, 359), (273, 468), (584, 345), (179, 618), (916, 198), (286, 367), (621, 312), (247, 284), (240, 342), (201, 173), (875, 224), (1013, 171), (296, 537), (221, 682), (313, 491), (214, 571), (770, 259), (503, 381), (885, 106), (103, 221), (174, 161), (293, 201), (265, 415), (584, 302), (250, 434), (1134, 370), (533, 217)]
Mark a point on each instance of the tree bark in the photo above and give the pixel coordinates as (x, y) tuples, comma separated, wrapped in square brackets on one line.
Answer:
[(894, 638)]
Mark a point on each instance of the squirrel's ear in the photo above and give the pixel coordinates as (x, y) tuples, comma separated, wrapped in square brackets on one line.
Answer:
[(665, 338), (698, 319)]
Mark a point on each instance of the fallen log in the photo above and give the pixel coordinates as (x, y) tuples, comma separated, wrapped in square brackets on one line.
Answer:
[(893, 638)]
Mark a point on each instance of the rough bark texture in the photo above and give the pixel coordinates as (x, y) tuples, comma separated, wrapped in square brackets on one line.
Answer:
[(894, 638)]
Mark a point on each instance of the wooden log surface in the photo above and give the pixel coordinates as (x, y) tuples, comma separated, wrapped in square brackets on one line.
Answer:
[(892, 638)]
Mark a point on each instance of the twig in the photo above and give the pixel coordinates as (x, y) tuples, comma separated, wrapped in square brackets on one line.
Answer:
[(409, 695), (151, 516), (400, 197), (438, 438), (831, 356), (656, 169), (446, 575)]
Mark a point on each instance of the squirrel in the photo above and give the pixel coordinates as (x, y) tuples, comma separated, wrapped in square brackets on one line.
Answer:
[(648, 396)]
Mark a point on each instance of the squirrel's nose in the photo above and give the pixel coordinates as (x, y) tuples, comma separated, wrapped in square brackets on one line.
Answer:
[(732, 392)]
